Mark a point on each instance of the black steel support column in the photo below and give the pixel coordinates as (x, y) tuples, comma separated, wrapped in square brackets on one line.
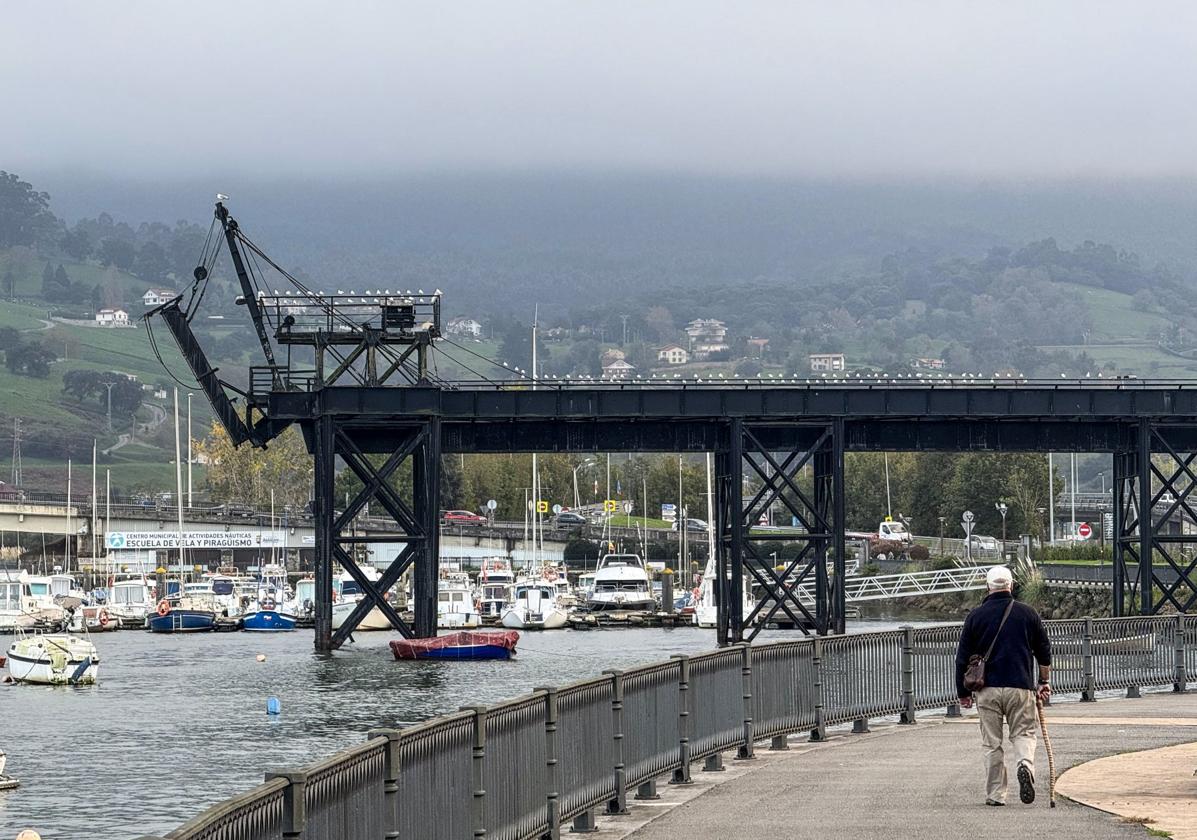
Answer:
[(824, 493), (426, 486), (1146, 517), (324, 455), (839, 606), (1124, 522), (734, 588)]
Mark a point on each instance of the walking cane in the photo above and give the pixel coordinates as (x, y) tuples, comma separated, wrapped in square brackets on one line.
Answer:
[(1051, 759)]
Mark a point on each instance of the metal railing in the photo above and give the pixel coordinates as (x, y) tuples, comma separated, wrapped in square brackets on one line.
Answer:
[(524, 768)]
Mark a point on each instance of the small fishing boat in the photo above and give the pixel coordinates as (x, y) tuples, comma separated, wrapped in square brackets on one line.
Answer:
[(53, 659), (186, 615), (130, 601), (464, 645), (93, 618), (264, 617)]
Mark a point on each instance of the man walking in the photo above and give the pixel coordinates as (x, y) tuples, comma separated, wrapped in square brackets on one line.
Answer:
[(1010, 636)]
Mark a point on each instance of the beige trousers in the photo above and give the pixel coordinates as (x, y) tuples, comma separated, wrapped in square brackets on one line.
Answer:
[(1015, 706)]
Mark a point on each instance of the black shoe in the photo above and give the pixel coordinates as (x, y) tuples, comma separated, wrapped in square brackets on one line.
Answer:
[(994, 803), (1026, 785)]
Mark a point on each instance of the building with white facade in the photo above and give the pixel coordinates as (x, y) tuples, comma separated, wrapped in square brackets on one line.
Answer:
[(707, 335), (673, 354), (112, 318), (827, 362), (157, 297), (464, 326)]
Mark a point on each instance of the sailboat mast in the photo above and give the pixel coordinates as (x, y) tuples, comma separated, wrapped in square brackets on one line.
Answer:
[(536, 525), (66, 547), (95, 513), (179, 488)]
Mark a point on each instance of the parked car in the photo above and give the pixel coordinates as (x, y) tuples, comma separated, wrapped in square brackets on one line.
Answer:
[(984, 543), (462, 517), (693, 525), (237, 509), (569, 519)]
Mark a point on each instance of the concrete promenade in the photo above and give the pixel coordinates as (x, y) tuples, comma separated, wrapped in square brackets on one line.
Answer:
[(926, 781)]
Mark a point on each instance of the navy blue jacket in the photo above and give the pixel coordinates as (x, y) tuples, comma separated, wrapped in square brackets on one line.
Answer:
[(1023, 641)]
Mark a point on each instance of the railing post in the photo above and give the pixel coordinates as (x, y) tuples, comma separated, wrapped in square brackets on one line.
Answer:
[(953, 711), (907, 676), (819, 732), (1088, 692), (552, 783), (390, 781), (618, 805), (746, 749), (860, 726), (294, 807), (1182, 677), (478, 780), (681, 776)]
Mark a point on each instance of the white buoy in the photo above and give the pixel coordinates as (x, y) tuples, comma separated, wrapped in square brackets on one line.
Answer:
[(261, 657)]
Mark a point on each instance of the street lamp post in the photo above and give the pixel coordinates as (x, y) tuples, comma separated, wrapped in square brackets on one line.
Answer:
[(942, 519), (1002, 509), (587, 463)]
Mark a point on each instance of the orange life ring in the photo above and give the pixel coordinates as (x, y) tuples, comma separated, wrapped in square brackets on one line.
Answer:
[(103, 618), (163, 608)]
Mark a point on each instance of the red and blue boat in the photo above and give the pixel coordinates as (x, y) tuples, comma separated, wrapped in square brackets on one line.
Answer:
[(466, 645)]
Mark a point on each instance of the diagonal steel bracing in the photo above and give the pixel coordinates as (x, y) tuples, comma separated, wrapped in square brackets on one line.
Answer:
[(802, 481), (416, 445), (1150, 495)]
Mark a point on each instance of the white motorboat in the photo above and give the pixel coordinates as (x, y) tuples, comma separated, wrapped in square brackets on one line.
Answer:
[(17, 608), (495, 582), (94, 618), (38, 600), (53, 659), (535, 607), (131, 600), (455, 609), (621, 583), (585, 586)]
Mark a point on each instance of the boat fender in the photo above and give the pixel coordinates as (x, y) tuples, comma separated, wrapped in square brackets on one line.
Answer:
[(103, 618), (163, 608), (80, 670), (273, 706)]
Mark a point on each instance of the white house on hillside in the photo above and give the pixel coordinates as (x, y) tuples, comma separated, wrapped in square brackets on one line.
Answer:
[(464, 326), (112, 318), (156, 297), (673, 354), (707, 335), (618, 367), (827, 361)]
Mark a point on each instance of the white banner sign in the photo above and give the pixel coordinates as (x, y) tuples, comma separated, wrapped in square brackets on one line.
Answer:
[(118, 540)]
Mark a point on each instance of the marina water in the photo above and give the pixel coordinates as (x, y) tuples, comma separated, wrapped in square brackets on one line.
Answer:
[(179, 722)]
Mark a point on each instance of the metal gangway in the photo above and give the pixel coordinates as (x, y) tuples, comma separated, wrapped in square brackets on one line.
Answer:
[(903, 585)]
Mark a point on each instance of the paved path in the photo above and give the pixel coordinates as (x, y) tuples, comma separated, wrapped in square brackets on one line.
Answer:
[(922, 781)]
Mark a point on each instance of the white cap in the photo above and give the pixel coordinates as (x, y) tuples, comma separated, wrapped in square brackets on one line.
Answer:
[(999, 577)]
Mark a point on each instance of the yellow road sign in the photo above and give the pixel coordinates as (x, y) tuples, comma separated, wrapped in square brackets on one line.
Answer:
[(542, 506), (610, 505)]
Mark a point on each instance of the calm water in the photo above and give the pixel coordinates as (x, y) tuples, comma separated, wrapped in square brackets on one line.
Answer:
[(179, 722)]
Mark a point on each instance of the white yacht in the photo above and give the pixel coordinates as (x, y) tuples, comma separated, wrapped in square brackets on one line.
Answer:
[(131, 600), (39, 599), (621, 583), (455, 608), (585, 586), (535, 607)]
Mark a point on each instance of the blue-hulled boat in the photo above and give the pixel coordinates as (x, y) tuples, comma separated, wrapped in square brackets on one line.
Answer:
[(265, 618), (172, 618), (464, 645)]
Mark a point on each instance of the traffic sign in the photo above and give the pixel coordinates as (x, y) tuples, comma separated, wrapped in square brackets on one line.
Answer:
[(1107, 525), (668, 512), (491, 504), (542, 506), (610, 505), (968, 516), (628, 506), (557, 508), (1084, 530)]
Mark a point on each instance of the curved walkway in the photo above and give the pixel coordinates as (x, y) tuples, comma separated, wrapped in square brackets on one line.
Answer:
[(922, 781), (1156, 787)]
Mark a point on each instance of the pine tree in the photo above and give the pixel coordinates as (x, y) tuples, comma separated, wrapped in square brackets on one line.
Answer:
[(48, 284)]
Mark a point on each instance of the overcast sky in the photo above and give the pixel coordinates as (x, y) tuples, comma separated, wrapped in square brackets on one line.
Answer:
[(865, 89)]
